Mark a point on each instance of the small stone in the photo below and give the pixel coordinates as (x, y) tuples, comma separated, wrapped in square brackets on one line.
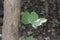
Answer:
[(49, 30), (47, 38), (30, 32), (25, 7)]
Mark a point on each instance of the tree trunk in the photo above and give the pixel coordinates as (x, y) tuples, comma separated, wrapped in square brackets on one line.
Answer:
[(11, 19)]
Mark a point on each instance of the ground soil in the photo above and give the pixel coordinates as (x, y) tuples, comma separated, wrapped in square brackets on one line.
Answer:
[(49, 9)]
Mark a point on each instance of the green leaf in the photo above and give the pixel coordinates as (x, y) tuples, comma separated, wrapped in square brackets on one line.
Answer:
[(29, 18), (43, 20), (25, 17), (30, 38), (38, 22), (33, 16), (33, 19)]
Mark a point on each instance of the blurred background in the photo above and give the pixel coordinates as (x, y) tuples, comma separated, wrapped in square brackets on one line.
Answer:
[(49, 9)]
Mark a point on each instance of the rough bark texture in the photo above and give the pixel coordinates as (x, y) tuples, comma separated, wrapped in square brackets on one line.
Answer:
[(11, 19)]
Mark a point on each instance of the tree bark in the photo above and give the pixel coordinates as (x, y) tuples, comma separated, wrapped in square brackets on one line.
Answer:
[(11, 20)]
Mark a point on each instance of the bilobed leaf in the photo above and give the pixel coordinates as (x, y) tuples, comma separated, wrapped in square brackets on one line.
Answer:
[(29, 17), (33, 16), (25, 17), (38, 22), (30, 38)]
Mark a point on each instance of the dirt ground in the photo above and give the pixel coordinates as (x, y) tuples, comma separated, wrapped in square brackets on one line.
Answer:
[(45, 8), (49, 9)]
